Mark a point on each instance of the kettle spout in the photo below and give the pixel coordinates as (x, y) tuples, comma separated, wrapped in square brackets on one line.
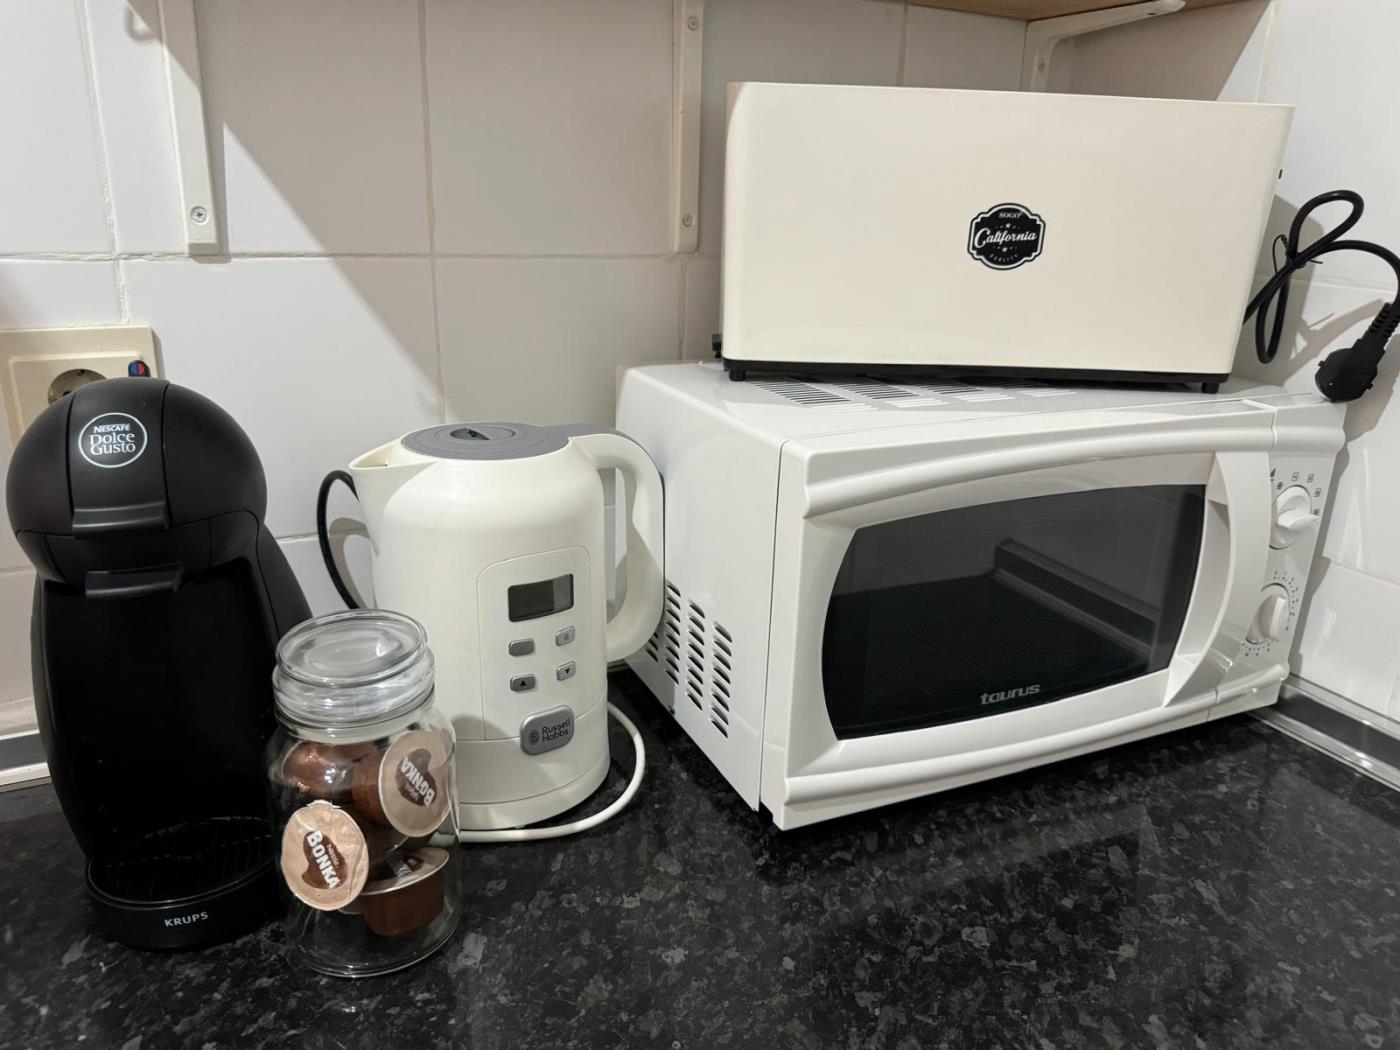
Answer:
[(377, 477)]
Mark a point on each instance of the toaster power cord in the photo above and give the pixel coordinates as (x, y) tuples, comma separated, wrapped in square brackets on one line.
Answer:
[(1346, 374), (548, 831)]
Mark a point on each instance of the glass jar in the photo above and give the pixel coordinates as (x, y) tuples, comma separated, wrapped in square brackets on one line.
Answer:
[(361, 783)]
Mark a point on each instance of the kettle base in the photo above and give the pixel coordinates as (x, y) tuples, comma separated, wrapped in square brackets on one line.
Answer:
[(185, 886), (515, 813)]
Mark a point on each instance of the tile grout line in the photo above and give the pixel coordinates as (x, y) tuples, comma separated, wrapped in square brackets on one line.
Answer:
[(431, 204), (1266, 50), (903, 44), (685, 281), (288, 255), (104, 168)]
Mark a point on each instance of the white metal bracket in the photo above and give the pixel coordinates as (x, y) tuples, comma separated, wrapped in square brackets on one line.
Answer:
[(687, 38), (197, 212), (1043, 34)]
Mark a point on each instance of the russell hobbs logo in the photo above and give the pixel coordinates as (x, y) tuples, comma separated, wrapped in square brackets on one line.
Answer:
[(546, 730), (113, 439), (1010, 694)]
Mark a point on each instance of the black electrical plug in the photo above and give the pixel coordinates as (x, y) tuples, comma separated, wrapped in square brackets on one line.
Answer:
[(1344, 375)]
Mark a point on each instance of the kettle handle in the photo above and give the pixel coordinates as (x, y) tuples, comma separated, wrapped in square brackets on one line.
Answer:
[(641, 608)]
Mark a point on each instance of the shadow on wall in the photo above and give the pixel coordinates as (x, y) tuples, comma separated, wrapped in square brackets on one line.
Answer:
[(241, 116), (1196, 54), (142, 19)]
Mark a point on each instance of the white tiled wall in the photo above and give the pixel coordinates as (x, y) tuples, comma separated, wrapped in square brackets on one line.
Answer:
[(434, 208), (1335, 64)]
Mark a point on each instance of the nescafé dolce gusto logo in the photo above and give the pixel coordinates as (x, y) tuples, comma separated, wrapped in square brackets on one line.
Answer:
[(113, 439)]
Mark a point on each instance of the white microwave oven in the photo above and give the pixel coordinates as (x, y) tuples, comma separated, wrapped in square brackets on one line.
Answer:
[(879, 590), (930, 231)]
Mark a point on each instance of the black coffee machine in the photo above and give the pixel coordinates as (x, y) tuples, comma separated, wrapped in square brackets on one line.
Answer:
[(159, 602)]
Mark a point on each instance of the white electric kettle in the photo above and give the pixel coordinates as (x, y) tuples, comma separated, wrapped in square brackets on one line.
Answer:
[(491, 535)]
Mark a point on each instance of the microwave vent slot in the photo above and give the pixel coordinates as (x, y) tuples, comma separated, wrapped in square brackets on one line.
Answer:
[(695, 655), (877, 391), (811, 395), (721, 661), (975, 395), (870, 393), (671, 633)]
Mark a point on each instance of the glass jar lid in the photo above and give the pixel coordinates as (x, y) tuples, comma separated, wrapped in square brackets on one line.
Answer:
[(352, 668)]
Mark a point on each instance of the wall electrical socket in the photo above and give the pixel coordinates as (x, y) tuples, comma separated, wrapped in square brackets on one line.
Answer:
[(40, 365)]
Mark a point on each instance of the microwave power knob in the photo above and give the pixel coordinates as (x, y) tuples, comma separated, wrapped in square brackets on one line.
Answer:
[(1294, 517), (1271, 618)]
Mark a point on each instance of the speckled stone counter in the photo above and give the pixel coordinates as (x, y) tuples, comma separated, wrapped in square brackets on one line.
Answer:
[(1222, 887)]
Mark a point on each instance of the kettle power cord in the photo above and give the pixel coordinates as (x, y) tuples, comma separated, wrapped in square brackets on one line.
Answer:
[(531, 834), (1346, 374)]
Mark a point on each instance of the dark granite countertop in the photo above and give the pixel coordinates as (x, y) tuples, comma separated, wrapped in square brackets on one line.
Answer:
[(1220, 887)]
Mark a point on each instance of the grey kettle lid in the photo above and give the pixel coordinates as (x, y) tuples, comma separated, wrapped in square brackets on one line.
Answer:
[(484, 441)]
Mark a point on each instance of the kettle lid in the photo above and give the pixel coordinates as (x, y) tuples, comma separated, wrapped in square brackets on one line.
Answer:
[(486, 440)]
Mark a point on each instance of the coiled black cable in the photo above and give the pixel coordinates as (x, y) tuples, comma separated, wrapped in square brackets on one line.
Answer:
[(1345, 374), (323, 496)]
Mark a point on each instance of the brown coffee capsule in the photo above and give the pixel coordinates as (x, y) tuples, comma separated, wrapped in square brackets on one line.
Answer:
[(380, 839), (324, 858), (322, 770), (407, 894), (407, 788)]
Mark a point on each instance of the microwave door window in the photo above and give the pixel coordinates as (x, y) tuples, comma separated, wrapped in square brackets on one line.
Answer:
[(981, 610)]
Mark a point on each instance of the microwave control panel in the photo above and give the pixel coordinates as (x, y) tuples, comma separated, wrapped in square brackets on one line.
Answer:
[(1299, 486)]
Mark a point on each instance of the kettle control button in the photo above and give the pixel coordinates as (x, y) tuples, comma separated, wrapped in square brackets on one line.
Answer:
[(565, 671), (563, 636), (546, 730), (522, 683), (522, 647)]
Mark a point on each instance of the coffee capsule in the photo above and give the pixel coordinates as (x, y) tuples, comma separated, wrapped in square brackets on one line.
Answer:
[(380, 839), (324, 858), (406, 788), (407, 895), (323, 771)]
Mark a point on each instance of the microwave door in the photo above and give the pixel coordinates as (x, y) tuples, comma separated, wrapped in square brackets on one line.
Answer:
[(937, 617), (977, 610)]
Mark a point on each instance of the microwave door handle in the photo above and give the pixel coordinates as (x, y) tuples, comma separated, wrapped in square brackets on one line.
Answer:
[(1229, 576)]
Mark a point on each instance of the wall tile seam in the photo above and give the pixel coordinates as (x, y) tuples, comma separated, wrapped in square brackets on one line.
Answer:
[(1315, 276), (1266, 51), (98, 129), (1360, 570), (430, 203), (173, 256), (903, 53)]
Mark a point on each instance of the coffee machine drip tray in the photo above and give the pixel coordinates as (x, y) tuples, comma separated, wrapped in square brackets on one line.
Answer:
[(191, 884)]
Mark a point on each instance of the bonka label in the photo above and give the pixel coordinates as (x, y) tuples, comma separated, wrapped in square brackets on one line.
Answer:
[(113, 439), (413, 780), (325, 861), (1006, 236)]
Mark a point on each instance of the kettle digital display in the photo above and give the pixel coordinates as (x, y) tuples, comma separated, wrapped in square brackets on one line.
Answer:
[(526, 601)]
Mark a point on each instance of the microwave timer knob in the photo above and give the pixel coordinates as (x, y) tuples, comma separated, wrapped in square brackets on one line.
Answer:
[(1271, 618), (1294, 517)]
